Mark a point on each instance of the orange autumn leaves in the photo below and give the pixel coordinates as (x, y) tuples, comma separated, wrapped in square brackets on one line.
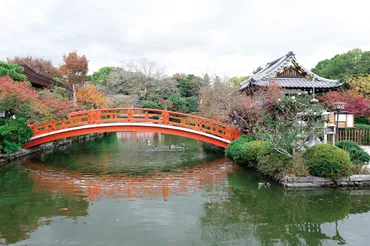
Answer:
[(90, 95)]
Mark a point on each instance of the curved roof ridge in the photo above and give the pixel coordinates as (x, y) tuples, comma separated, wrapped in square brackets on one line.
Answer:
[(272, 67)]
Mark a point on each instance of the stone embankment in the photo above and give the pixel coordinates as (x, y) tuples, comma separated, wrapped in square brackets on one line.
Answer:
[(359, 180), (5, 158)]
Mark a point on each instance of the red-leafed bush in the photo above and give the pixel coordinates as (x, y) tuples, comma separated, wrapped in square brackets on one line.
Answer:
[(354, 102), (17, 97), (25, 102)]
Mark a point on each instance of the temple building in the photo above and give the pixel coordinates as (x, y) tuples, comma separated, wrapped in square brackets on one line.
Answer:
[(290, 75)]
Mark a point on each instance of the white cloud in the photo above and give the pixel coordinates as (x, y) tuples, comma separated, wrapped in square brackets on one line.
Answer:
[(229, 37)]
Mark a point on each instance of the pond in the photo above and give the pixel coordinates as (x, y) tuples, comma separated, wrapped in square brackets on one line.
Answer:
[(155, 189)]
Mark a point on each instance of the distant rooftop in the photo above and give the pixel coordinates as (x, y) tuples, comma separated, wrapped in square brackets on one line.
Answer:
[(40, 81), (289, 74)]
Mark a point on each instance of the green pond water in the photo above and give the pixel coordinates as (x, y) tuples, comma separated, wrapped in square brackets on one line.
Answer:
[(120, 189)]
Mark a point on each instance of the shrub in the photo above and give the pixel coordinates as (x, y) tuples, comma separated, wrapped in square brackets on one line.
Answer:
[(362, 120), (362, 126), (14, 133), (348, 145), (356, 153), (298, 167), (269, 161), (149, 104), (359, 157), (26, 102), (325, 160), (251, 151), (178, 103), (236, 149), (192, 104)]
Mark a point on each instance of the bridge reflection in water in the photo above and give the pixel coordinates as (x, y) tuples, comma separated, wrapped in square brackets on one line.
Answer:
[(154, 184)]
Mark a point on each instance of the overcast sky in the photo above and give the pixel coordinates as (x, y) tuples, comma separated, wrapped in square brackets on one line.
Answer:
[(224, 37)]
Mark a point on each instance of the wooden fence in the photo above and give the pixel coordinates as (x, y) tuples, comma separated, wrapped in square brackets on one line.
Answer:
[(361, 137)]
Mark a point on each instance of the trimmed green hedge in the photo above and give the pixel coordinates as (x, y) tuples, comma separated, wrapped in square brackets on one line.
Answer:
[(270, 161), (325, 160), (236, 149), (252, 150), (321, 160), (357, 154)]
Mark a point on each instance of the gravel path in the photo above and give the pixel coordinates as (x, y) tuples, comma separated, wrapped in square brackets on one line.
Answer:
[(366, 148)]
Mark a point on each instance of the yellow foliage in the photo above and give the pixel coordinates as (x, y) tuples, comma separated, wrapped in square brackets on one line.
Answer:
[(90, 95), (361, 85)]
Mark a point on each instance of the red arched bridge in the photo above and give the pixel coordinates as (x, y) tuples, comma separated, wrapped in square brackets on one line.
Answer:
[(134, 120)]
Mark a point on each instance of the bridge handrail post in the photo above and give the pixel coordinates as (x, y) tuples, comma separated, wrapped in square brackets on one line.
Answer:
[(130, 115), (228, 132), (198, 124), (97, 115), (91, 116), (165, 117)]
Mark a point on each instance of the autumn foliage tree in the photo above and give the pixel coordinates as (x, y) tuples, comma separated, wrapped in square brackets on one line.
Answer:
[(90, 95), (74, 68), (39, 65), (16, 97), (360, 84), (354, 102), (26, 102), (217, 100)]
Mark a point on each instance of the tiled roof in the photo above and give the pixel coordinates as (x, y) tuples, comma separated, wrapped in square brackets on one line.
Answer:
[(272, 69), (297, 83), (39, 80)]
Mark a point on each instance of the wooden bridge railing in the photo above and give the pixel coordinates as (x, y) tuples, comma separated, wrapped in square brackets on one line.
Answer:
[(138, 115)]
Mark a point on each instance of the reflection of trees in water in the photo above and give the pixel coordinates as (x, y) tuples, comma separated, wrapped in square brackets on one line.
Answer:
[(277, 215), (23, 207)]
